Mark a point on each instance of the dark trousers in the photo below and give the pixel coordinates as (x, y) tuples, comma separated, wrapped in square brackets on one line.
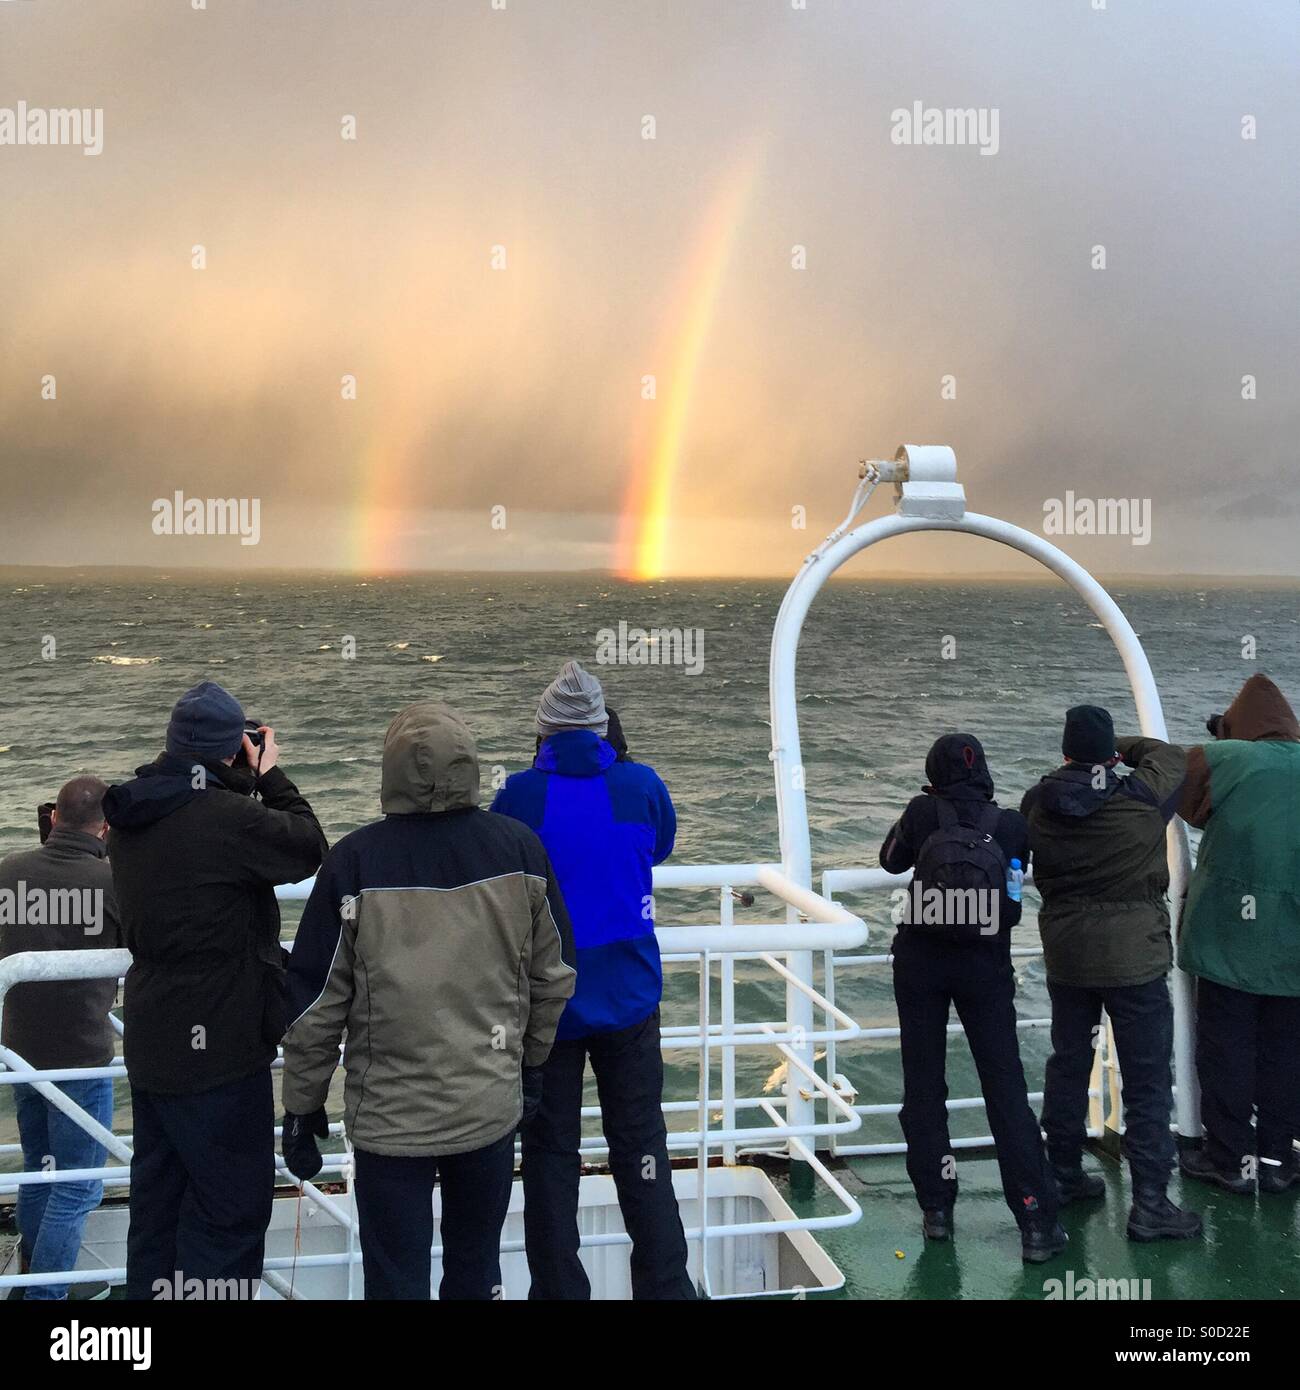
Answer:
[(630, 1082), (202, 1180), (1143, 1020), (395, 1214), (1248, 1058), (931, 974)]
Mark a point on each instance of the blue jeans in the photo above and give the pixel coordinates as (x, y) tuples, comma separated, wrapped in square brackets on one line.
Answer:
[(51, 1215)]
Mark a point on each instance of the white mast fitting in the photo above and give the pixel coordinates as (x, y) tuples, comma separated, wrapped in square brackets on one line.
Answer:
[(928, 497)]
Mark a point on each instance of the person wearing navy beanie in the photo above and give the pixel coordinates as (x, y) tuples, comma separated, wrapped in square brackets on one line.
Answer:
[(198, 840)]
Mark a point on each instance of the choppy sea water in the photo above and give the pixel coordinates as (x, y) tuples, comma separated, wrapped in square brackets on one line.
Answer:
[(875, 689)]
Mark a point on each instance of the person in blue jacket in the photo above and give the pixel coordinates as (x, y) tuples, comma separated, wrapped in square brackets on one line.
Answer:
[(605, 822)]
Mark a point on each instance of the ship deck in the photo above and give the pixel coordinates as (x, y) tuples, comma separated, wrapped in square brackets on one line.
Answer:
[(1251, 1247)]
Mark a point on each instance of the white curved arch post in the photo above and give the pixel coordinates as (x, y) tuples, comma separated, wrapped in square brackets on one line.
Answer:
[(792, 808)]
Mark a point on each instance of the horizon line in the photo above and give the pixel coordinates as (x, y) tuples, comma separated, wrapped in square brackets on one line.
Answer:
[(612, 574)]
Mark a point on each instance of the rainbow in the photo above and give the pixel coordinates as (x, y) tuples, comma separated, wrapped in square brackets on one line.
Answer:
[(374, 543), (643, 537)]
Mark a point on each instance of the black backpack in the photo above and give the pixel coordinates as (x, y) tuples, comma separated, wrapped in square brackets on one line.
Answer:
[(957, 858)]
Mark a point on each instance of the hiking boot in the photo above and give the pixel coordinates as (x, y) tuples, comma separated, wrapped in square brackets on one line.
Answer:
[(1074, 1185), (1040, 1242), (937, 1223), (1197, 1163), (1154, 1217), (1278, 1177)]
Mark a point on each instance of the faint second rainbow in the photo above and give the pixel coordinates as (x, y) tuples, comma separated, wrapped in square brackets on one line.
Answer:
[(643, 539)]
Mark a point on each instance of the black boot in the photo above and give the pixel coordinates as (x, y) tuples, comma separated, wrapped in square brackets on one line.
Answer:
[(1197, 1163), (937, 1223), (1154, 1217), (1278, 1177), (1074, 1185), (1040, 1242)]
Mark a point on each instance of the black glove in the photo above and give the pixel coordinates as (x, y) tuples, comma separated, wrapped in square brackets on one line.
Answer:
[(1214, 723), (532, 1093), (298, 1143)]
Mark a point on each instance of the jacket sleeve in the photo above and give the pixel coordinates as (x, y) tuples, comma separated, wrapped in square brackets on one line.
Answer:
[(1195, 807), (898, 854), (1161, 770), (112, 933), (284, 840), (663, 817), (552, 977), (320, 988)]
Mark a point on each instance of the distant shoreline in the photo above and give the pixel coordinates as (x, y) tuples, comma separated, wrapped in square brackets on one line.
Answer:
[(128, 574)]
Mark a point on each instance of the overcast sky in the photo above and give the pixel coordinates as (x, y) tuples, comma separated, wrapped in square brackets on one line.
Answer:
[(521, 387)]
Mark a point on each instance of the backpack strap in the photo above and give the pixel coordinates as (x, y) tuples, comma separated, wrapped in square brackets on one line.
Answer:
[(986, 822)]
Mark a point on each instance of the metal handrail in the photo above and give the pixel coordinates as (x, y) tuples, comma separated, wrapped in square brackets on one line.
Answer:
[(827, 926)]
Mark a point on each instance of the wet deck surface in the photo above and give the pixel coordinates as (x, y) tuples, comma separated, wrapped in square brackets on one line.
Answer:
[(1251, 1247)]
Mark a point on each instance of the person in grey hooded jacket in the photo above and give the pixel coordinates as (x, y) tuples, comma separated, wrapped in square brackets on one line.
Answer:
[(436, 941)]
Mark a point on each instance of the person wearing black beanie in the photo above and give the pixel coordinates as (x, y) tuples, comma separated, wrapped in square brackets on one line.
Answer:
[(1101, 868)]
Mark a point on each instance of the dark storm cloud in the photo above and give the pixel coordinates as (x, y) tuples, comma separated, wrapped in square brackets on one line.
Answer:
[(1119, 128)]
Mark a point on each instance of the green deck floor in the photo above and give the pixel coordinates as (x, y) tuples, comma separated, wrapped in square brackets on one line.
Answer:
[(1251, 1247)]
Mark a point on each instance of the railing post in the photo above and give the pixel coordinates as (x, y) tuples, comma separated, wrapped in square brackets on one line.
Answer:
[(727, 915), (702, 1162)]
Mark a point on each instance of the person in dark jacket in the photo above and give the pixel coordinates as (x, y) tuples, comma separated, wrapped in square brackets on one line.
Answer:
[(437, 942), (1102, 870), (57, 1024), (1240, 937), (939, 962), (605, 824), (197, 843)]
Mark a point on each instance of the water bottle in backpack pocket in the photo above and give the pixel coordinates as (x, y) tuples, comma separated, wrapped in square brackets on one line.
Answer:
[(961, 874)]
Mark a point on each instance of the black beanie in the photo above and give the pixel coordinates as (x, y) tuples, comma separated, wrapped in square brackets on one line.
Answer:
[(1089, 735)]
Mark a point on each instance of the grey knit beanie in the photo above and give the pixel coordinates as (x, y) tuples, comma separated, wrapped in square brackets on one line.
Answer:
[(573, 700)]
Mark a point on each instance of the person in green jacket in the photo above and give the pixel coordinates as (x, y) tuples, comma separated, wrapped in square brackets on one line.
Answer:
[(1241, 938), (1100, 865)]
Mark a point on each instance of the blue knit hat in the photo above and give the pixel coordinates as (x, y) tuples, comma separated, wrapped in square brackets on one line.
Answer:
[(207, 722)]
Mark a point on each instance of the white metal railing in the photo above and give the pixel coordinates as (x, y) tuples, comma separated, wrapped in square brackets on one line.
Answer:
[(820, 925), (1104, 1103)]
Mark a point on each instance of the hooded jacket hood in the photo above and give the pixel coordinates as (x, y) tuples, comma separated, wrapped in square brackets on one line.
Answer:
[(430, 762), (165, 785), (956, 767), (1260, 711), (575, 753)]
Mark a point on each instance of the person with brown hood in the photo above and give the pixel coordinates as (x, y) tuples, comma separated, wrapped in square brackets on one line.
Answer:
[(436, 942), (1241, 939)]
